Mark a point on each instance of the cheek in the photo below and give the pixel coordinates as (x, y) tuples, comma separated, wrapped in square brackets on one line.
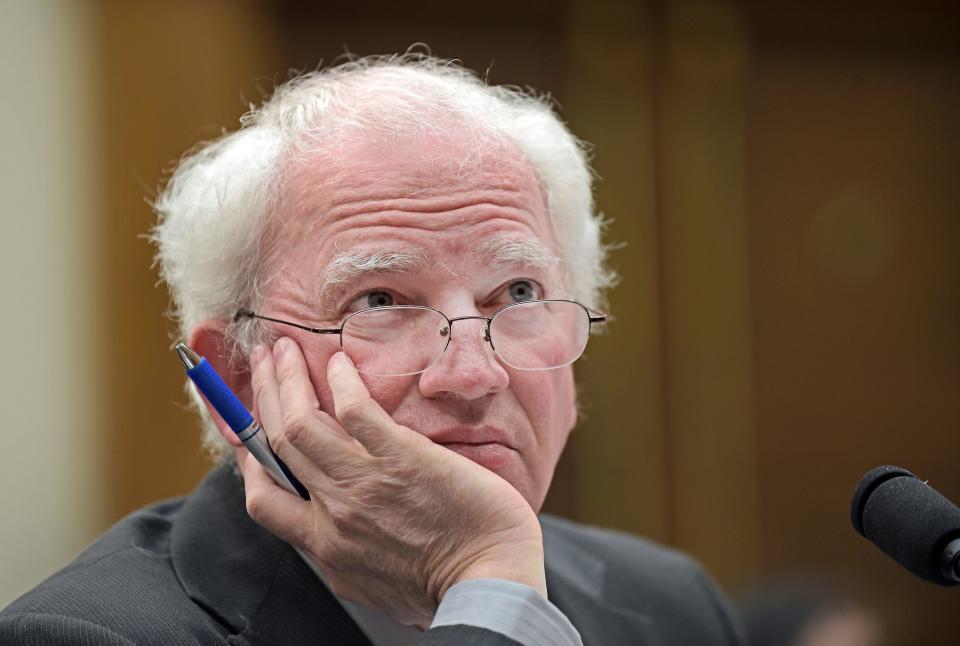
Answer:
[(567, 400), (390, 392), (548, 398), (548, 402), (386, 391)]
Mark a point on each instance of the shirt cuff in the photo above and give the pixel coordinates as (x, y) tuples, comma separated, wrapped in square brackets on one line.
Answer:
[(512, 609)]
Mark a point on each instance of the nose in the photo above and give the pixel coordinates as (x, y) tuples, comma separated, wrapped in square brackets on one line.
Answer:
[(469, 368)]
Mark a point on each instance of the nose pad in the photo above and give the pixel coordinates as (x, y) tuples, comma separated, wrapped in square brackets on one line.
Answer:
[(468, 369), (465, 340), (446, 333)]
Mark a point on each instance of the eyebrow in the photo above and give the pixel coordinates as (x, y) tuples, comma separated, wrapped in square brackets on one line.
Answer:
[(348, 266), (351, 266), (518, 251)]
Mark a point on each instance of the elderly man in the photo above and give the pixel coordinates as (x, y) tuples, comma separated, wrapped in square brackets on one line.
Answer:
[(395, 266)]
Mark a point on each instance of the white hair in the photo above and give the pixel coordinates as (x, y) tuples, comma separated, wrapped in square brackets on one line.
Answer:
[(214, 236)]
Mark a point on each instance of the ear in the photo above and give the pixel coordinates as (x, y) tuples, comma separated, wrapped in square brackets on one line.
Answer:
[(207, 339)]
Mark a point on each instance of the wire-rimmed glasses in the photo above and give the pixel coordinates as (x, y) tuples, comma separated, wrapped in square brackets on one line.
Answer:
[(399, 340)]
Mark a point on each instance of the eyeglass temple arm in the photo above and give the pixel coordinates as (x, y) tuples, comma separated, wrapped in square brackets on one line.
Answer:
[(595, 316), (253, 315)]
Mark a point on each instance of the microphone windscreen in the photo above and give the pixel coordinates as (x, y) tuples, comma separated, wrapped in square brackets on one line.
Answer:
[(905, 518)]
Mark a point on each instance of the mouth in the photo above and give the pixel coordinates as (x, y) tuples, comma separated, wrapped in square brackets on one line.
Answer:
[(490, 455), (490, 446)]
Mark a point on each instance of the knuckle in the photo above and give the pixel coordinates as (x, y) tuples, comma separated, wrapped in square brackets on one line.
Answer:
[(344, 518), (296, 425), (342, 589), (255, 506), (354, 410)]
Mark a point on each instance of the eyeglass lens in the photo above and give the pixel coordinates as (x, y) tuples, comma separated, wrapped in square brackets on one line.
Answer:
[(395, 341)]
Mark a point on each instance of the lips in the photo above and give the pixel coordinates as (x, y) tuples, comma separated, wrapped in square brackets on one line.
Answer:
[(490, 455), (489, 447)]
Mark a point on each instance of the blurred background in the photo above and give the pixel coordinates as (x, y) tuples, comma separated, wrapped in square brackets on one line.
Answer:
[(782, 178)]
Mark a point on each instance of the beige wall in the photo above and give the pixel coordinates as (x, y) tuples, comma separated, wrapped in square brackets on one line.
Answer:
[(52, 500)]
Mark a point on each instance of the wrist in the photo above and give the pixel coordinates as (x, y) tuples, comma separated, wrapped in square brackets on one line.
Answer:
[(518, 562)]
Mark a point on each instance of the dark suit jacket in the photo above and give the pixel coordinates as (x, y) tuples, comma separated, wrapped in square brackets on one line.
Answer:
[(197, 570)]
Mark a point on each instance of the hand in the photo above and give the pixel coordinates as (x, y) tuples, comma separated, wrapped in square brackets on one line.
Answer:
[(394, 520)]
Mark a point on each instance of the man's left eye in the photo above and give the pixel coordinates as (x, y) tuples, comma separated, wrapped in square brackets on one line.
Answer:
[(523, 290)]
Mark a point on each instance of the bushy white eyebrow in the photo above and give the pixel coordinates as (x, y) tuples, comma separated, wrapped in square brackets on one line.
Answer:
[(523, 251), (349, 265)]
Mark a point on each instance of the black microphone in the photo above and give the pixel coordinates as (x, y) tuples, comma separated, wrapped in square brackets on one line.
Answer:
[(910, 521)]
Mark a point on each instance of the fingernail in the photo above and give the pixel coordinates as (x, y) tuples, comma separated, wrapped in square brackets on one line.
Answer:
[(344, 359), (335, 363)]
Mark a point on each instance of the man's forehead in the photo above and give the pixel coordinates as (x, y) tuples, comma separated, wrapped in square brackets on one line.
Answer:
[(414, 166), (378, 204)]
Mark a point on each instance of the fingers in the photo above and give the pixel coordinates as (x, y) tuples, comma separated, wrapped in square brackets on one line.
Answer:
[(283, 513), (296, 391), (301, 434), (266, 393), (357, 411), (297, 394)]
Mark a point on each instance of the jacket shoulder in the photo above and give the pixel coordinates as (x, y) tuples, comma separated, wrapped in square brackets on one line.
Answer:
[(120, 588), (614, 543), (642, 577), (34, 629)]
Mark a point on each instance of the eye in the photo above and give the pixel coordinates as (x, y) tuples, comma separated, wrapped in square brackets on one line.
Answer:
[(378, 299), (523, 290), (365, 300)]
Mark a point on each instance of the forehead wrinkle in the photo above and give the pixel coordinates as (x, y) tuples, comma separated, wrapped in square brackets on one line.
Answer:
[(424, 176), (366, 183)]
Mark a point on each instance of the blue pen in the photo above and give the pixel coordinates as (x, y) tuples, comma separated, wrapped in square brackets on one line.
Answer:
[(236, 415)]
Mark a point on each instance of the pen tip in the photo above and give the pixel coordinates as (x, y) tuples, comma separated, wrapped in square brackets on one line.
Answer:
[(188, 357)]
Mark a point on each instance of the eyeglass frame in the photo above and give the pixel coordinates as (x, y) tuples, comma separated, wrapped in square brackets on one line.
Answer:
[(593, 316)]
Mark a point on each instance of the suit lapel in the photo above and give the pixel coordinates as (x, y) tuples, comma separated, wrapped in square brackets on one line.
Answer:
[(263, 594), (255, 585)]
